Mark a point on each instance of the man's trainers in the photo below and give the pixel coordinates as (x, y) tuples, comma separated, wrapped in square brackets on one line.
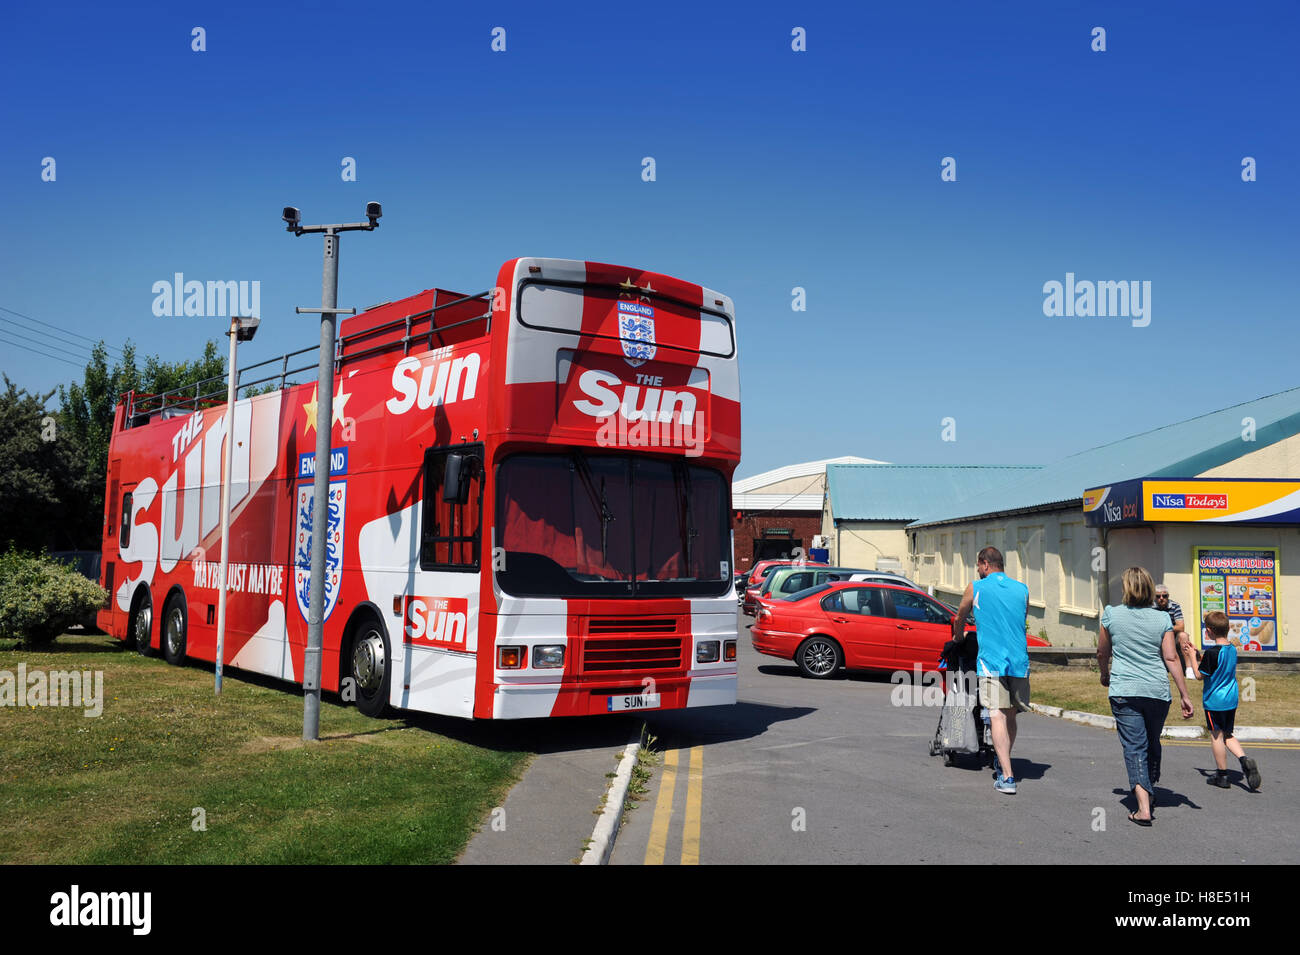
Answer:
[(1252, 772), (1005, 784), (1219, 779)]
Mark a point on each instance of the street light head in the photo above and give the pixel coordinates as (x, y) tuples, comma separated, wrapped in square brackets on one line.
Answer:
[(246, 328), (374, 211), (290, 215)]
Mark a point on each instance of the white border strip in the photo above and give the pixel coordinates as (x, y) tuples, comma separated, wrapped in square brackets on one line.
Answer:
[(1247, 734), (606, 831)]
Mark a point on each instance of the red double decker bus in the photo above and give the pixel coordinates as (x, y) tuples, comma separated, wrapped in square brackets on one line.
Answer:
[(528, 503)]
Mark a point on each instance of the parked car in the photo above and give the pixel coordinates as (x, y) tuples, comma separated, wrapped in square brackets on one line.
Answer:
[(760, 572), (740, 585), (856, 624), (784, 581), (885, 577)]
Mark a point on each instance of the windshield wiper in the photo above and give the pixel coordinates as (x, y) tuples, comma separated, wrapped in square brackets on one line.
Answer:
[(600, 503), (689, 530)]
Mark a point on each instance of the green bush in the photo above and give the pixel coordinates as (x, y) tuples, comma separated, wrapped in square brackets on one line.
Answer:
[(40, 597)]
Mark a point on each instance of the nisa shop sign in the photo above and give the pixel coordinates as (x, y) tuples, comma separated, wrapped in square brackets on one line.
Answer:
[(1201, 502)]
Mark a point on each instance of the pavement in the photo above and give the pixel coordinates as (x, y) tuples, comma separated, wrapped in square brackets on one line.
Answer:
[(551, 813), (811, 772)]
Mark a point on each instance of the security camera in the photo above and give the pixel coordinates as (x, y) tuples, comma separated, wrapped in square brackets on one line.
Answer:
[(373, 212), (246, 328), (290, 215)]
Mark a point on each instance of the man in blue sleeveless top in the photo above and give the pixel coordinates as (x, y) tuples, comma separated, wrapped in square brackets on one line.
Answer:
[(1000, 605)]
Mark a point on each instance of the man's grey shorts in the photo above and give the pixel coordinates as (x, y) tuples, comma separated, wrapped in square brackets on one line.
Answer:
[(1005, 692)]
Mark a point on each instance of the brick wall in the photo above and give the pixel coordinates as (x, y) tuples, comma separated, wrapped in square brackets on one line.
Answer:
[(750, 527)]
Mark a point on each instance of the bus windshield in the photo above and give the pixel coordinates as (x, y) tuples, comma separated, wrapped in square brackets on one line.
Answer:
[(578, 525)]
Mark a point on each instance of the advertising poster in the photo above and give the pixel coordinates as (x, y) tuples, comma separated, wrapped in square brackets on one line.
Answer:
[(1241, 582)]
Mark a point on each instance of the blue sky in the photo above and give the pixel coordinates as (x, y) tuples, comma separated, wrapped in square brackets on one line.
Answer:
[(775, 169)]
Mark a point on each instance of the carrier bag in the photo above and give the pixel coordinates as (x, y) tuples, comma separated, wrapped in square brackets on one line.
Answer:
[(957, 730)]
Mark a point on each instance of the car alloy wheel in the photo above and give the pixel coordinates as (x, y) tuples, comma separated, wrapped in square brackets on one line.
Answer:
[(819, 657)]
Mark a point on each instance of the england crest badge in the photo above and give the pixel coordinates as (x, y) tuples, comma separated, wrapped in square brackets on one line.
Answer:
[(636, 332), (333, 545)]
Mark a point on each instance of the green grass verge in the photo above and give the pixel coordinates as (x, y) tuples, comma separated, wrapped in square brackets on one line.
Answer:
[(1276, 702), (124, 787)]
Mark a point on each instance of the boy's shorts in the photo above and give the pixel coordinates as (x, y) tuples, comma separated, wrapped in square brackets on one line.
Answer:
[(1221, 720), (1005, 692)]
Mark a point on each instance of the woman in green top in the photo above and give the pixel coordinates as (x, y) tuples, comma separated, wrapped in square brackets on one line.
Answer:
[(1137, 654)]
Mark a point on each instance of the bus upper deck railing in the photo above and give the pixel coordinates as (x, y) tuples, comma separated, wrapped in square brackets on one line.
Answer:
[(141, 407)]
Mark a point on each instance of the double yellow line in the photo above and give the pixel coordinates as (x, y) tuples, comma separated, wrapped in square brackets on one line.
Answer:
[(658, 845)]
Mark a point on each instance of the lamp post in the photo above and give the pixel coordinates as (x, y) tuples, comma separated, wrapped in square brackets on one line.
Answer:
[(324, 418), (241, 330)]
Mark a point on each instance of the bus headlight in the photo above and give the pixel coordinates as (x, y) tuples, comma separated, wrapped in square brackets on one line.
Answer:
[(549, 657), (707, 651)]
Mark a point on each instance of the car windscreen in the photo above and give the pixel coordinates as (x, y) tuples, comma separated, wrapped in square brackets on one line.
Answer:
[(806, 592)]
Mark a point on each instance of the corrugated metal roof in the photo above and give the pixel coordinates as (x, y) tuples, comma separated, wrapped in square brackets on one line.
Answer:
[(1184, 449), (777, 502), (899, 492), (806, 469)]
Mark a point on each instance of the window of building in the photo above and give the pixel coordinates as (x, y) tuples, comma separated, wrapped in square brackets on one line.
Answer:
[(965, 559), (1029, 551), (1077, 585)]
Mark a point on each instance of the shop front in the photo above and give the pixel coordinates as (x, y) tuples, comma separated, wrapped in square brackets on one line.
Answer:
[(1231, 545)]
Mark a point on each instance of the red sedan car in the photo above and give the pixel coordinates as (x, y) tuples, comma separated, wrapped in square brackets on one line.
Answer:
[(862, 626)]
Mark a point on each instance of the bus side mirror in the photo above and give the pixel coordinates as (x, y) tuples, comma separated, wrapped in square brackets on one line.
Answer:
[(458, 477), (454, 478)]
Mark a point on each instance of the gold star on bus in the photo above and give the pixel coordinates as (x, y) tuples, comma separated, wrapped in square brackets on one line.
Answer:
[(310, 408), (628, 286)]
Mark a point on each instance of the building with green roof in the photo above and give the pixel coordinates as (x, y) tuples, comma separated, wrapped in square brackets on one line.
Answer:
[(868, 507), (1247, 460)]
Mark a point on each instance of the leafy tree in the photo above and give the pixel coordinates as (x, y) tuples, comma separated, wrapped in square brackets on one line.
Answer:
[(86, 420), (35, 473)]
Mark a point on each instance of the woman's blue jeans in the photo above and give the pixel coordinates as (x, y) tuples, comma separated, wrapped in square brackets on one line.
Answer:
[(1139, 721)]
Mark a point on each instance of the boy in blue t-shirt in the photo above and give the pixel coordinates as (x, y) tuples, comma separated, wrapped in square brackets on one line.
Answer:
[(1218, 666)]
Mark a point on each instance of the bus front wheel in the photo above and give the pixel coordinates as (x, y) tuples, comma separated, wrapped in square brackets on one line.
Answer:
[(142, 625), (371, 670)]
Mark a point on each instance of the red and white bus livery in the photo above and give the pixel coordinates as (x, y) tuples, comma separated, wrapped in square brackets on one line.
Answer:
[(528, 503)]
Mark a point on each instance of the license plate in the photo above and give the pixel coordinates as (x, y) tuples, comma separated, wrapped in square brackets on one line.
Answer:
[(637, 701)]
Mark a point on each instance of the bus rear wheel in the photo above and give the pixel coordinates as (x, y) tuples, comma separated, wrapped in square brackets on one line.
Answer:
[(370, 669), (174, 630)]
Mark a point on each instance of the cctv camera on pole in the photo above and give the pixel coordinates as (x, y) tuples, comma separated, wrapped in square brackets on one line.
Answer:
[(324, 418)]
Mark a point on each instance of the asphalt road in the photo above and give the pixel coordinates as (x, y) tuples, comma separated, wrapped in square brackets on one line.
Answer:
[(805, 772)]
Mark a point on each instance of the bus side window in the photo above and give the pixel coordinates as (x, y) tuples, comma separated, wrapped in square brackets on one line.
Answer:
[(451, 532), (124, 535)]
